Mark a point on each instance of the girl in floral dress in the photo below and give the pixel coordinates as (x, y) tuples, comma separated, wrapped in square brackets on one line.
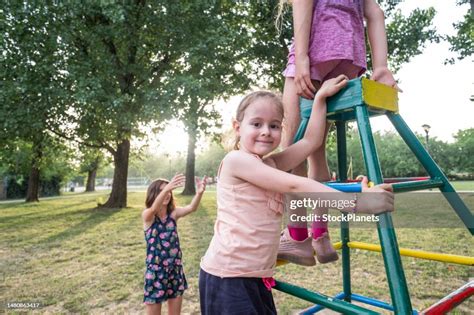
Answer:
[(164, 276)]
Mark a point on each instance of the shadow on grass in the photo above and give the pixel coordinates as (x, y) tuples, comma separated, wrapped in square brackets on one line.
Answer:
[(96, 217), (40, 215)]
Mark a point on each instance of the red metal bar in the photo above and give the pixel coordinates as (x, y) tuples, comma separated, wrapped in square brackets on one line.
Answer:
[(451, 301)]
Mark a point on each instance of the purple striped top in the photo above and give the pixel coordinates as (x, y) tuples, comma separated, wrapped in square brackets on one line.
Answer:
[(337, 32)]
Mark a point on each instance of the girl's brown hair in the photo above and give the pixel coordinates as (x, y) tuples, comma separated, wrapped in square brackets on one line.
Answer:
[(153, 192), (249, 99)]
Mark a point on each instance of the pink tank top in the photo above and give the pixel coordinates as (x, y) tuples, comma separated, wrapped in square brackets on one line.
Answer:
[(246, 232), (337, 32)]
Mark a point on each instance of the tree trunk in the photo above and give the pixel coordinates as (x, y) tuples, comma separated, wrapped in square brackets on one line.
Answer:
[(189, 188), (33, 181), (91, 174), (33, 185), (118, 196)]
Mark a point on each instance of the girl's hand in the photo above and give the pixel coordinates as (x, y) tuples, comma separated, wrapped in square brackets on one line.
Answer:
[(304, 86), (201, 184), (332, 86), (177, 181), (385, 76), (375, 200)]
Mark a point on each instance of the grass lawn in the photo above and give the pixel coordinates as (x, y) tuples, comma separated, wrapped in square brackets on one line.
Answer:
[(73, 258), (463, 185)]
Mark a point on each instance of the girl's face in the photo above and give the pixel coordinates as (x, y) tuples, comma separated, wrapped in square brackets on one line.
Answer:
[(168, 195), (260, 129)]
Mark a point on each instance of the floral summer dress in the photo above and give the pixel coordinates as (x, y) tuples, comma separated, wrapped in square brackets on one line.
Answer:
[(164, 276)]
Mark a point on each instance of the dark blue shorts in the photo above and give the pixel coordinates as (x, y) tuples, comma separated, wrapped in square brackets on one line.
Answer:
[(234, 296)]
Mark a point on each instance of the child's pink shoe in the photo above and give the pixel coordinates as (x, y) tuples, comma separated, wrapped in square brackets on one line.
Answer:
[(297, 252), (325, 252)]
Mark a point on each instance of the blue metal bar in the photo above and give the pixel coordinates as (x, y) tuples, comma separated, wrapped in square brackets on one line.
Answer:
[(317, 308), (329, 302), (371, 301), (346, 187), (375, 302)]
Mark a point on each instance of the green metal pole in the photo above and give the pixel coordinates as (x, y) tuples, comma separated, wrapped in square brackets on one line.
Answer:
[(306, 107), (418, 185), (345, 235), (329, 302), (434, 170), (388, 240)]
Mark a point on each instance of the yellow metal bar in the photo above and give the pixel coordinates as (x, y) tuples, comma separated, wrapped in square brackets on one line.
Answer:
[(379, 96), (456, 259)]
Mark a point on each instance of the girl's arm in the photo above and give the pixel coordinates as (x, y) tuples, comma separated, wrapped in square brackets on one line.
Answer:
[(302, 16), (181, 212), (247, 168), (378, 43), (157, 208), (313, 138)]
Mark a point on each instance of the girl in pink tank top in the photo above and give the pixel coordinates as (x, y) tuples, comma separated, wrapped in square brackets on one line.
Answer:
[(236, 271), (328, 41)]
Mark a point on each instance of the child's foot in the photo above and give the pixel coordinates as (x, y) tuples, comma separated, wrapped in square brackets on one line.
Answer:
[(297, 252), (325, 252)]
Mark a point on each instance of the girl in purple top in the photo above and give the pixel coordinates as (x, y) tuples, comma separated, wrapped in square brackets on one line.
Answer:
[(328, 41)]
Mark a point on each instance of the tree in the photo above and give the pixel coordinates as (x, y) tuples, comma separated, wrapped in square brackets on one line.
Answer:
[(464, 150), (15, 167), (127, 61), (208, 161), (90, 162), (32, 81), (463, 41), (214, 68)]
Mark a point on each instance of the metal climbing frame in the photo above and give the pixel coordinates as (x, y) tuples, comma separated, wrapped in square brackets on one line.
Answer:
[(360, 100)]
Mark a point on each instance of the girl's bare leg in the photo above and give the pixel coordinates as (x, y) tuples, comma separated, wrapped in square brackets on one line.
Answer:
[(290, 126), (174, 305), (153, 309), (319, 170), (295, 245)]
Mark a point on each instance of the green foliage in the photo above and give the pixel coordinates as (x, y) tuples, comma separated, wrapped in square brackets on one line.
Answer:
[(165, 165), (464, 150), (463, 41), (153, 166), (397, 160), (208, 161), (267, 54), (407, 35), (32, 71), (16, 158), (91, 159)]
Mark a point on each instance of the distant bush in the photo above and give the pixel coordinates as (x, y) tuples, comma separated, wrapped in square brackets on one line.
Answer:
[(17, 187)]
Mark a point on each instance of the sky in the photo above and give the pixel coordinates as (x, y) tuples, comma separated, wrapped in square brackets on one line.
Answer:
[(433, 93)]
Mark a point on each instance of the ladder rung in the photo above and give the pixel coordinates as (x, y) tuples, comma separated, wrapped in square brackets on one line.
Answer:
[(345, 187), (397, 187), (417, 185)]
